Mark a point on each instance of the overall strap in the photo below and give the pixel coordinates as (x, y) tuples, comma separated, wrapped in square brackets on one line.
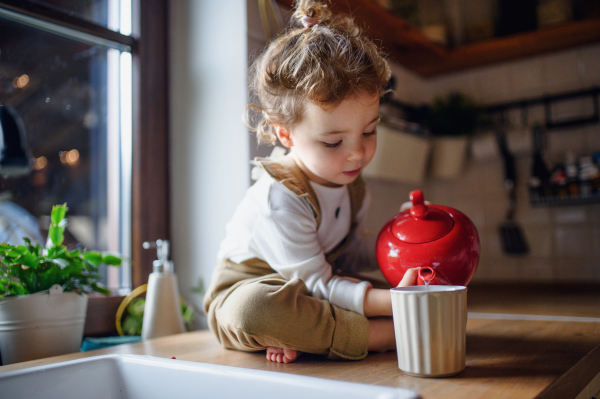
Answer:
[(284, 170)]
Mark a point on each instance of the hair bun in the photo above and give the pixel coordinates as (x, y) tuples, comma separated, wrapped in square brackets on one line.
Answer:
[(311, 12)]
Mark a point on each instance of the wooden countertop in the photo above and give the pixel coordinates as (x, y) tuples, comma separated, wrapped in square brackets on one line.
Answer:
[(506, 358)]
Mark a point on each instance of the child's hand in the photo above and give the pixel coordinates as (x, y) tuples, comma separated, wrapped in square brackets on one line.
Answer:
[(410, 277)]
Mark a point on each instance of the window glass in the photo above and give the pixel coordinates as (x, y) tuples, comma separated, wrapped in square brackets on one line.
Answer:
[(69, 98), (102, 12)]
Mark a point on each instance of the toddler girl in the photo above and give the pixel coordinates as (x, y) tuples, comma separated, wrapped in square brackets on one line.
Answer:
[(274, 288)]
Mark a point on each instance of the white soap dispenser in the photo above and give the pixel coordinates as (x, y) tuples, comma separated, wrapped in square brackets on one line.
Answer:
[(162, 312)]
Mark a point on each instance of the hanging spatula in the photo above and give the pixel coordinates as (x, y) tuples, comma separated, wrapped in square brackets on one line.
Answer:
[(511, 233)]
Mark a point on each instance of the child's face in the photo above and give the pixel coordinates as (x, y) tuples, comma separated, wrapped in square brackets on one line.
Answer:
[(333, 146)]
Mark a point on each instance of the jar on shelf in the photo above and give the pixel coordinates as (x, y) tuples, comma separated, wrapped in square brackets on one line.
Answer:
[(572, 173), (589, 177), (558, 180)]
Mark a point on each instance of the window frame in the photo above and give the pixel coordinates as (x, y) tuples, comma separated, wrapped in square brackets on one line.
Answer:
[(150, 144)]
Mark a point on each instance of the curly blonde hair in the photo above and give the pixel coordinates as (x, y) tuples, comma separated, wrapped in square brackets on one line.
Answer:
[(324, 63)]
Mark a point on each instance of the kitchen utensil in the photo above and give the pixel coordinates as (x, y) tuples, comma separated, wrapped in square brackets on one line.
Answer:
[(511, 234), (430, 326), (438, 239), (540, 174)]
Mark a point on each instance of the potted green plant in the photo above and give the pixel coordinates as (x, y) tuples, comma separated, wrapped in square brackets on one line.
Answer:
[(452, 121), (43, 294)]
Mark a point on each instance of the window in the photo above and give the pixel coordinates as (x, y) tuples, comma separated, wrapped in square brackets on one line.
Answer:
[(88, 81)]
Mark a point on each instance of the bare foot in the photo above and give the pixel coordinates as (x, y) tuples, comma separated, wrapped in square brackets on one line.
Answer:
[(281, 355)]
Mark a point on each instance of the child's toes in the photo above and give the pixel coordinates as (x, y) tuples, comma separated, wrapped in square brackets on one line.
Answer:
[(289, 355), (281, 355), (275, 354)]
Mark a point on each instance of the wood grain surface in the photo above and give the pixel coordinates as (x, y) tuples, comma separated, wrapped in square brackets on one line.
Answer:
[(505, 359), (575, 300)]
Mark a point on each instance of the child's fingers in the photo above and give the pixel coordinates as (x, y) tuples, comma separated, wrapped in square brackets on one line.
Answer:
[(410, 277)]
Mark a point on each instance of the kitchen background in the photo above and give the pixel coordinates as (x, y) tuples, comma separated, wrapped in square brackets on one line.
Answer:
[(564, 241), (79, 126)]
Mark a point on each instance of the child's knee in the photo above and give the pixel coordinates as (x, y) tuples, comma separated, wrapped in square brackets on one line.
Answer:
[(253, 308)]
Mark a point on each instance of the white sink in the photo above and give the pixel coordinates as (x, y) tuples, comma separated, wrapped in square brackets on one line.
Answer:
[(137, 377)]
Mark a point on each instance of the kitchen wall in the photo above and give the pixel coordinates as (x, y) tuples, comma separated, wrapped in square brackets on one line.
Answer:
[(564, 241), (209, 145)]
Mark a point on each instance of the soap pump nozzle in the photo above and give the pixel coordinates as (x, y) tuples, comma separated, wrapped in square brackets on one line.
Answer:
[(162, 264)]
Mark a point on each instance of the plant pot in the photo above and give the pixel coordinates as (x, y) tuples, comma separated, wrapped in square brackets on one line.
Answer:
[(41, 325), (448, 156), (400, 157)]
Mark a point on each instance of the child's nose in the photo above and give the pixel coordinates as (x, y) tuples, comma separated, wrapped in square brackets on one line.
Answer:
[(357, 153)]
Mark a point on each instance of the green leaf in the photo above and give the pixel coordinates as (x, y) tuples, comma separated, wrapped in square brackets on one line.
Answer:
[(17, 251), (13, 253), (100, 289), (5, 247), (30, 260), (94, 257), (58, 214), (60, 262), (74, 254), (21, 249), (77, 265), (48, 279), (111, 260), (21, 290), (56, 234), (52, 251), (89, 266)]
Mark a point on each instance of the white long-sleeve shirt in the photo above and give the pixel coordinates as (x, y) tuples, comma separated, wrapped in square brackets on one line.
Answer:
[(273, 224)]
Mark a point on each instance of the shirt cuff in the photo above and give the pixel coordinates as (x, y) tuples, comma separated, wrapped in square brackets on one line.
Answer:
[(349, 295)]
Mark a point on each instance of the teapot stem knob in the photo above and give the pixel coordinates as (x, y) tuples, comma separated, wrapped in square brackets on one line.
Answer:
[(416, 197), (419, 210)]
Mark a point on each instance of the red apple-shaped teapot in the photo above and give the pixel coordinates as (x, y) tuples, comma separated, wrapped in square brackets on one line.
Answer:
[(440, 240)]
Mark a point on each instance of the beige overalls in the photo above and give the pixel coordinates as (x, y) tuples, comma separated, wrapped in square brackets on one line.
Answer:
[(251, 307)]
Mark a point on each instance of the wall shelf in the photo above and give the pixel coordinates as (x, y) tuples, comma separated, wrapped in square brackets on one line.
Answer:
[(554, 200), (410, 48)]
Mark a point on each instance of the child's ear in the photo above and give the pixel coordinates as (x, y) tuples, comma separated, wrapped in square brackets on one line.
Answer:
[(284, 136)]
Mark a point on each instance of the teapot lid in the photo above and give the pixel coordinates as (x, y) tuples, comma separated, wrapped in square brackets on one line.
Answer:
[(422, 223)]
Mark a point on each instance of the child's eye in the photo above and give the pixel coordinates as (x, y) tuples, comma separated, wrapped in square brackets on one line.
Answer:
[(368, 134), (332, 145)]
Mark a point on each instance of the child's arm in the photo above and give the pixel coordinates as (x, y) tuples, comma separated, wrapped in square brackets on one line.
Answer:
[(378, 302)]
